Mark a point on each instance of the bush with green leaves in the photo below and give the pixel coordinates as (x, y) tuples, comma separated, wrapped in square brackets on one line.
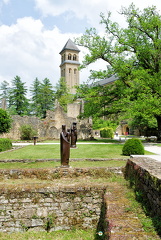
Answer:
[(5, 121), (99, 123), (5, 144), (106, 132), (27, 132), (133, 147)]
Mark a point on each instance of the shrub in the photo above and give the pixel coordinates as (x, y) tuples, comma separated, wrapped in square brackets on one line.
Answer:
[(99, 123), (133, 146), (27, 132), (5, 144), (106, 132), (5, 121)]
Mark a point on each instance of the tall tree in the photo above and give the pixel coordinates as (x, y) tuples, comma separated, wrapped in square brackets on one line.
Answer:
[(46, 97), (62, 93), (133, 55), (36, 97), (17, 97)]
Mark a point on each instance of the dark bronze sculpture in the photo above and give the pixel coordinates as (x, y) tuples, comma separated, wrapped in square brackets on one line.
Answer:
[(73, 135), (64, 146)]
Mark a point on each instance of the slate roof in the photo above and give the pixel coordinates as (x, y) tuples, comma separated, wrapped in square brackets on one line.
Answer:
[(70, 46), (106, 81)]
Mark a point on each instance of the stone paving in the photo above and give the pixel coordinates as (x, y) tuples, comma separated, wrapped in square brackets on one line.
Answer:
[(153, 149)]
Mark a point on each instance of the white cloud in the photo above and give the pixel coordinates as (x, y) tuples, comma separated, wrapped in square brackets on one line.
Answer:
[(81, 9), (6, 1), (90, 10), (30, 51)]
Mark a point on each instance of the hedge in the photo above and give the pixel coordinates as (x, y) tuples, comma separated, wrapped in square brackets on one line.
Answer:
[(106, 132), (5, 144), (133, 147)]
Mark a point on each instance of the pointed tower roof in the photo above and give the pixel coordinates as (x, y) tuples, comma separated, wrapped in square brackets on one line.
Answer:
[(70, 46)]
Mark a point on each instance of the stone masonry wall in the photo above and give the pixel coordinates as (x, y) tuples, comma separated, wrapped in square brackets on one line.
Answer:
[(49, 208), (144, 174), (51, 126)]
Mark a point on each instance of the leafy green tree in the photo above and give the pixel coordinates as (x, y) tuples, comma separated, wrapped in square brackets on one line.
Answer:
[(133, 56), (46, 95), (36, 97), (17, 97), (62, 94), (5, 121)]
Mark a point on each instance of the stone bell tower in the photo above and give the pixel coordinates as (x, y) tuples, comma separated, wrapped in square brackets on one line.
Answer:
[(69, 65)]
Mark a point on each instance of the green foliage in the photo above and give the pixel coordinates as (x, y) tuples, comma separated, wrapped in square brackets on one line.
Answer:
[(42, 97), (133, 57), (99, 123), (46, 97), (5, 121), (5, 144), (107, 132), (27, 132), (62, 94), (36, 97), (133, 146), (143, 123), (17, 97)]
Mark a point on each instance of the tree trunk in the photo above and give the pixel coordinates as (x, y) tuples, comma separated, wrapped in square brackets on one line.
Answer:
[(159, 126)]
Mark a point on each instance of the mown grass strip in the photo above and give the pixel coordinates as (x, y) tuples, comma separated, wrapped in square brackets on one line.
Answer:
[(53, 151), (52, 164), (57, 235)]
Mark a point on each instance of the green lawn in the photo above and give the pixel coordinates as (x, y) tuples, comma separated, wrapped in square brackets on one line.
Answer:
[(53, 151), (57, 235), (32, 152)]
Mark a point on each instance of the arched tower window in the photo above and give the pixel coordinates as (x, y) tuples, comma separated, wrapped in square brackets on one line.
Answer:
[(70, 70), (69, 56), (75, 71), (74, 57)]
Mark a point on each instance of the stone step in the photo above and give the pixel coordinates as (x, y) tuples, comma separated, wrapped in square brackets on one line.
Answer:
[(123, 223)]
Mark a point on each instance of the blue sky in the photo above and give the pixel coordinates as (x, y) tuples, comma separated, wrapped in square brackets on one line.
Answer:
[(33, 32)]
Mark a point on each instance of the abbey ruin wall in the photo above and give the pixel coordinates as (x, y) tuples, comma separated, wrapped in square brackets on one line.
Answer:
[(50, 127)]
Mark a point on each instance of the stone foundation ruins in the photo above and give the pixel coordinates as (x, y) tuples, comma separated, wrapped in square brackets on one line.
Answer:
[(50, 127)]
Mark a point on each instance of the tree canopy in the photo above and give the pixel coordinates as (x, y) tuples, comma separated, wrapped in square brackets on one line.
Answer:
[(133, 55), (5, 121), (62, 93), (17, 97)]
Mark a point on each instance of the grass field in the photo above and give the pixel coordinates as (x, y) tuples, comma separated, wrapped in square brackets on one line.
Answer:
[(32, 152), (58, 235)]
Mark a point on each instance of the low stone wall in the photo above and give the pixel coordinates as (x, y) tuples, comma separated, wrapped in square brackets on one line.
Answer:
[(56, 173), (49, 208), (145, 174)]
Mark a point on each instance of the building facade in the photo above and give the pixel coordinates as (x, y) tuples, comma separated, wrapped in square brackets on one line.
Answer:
[(69, 65)]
